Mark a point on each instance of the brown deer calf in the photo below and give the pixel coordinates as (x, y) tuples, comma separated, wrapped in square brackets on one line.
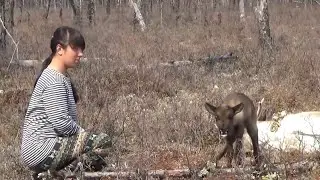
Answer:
[(236, 113)]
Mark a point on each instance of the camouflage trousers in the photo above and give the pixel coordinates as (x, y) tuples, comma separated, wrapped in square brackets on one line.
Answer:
[(69, 149)]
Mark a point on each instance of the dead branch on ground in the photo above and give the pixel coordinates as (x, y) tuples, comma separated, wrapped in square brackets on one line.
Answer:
[(294, 168)]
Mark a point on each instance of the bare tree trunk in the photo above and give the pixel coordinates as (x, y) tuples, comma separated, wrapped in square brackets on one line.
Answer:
[(161, 10), (3, 38), (75, 4), (243, 30), (262, 15), (205, 15), (225, 3), (68, 4), (214, 4), (54, 5), (80, 6), (108, 8), (177, 11), (48, 10), (219, 18), (7, 15), (28, 17), (242, 11), (144, 10), (61, 14), (91, 12), (151, 6), (189, 10), (138, 3), (20, 7), (138, 15), (119, 6), (12, 5)]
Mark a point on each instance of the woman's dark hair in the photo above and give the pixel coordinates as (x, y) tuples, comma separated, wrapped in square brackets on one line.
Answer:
[(64, 36)]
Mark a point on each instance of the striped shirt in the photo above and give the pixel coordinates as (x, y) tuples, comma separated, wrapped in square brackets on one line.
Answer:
[(51, 114)]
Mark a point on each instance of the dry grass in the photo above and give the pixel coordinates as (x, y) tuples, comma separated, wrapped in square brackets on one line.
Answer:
[(157, 113)]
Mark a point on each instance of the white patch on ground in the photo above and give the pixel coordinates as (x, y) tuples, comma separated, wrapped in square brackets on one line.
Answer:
[(299, 131)]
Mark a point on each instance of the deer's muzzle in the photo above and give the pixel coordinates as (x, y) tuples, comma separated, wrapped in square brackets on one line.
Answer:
[(223, 132)]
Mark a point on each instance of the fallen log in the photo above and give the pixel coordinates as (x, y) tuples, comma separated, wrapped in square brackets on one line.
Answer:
[(36, 63), (150, 173), (293, 168), (27, 62), (210, 60), (296, 168)]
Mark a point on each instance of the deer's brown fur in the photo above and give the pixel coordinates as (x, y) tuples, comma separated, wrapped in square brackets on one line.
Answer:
[(236, 113)]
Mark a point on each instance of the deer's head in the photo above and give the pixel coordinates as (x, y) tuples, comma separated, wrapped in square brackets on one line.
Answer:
[(224, 116)]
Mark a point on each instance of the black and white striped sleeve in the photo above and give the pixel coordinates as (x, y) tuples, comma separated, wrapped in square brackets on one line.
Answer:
[(55, 100)]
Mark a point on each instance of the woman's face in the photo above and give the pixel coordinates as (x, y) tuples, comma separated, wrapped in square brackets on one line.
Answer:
[(71, 56)]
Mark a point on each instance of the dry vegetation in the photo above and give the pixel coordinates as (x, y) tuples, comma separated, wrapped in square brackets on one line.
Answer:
[(157, 113)]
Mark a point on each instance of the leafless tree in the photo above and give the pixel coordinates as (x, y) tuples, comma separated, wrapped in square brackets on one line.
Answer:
[(161, 13), (108, 7), (61, 14), (137, 15), (7, 15), (242, 10), (20, 5), (262, 15), (144, 9), (48, 9), (91, 11), (3, 32), (176, 7), (76, 7), (151, 6)]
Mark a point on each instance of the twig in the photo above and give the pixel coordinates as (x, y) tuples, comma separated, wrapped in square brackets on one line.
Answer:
[(15, 50), (14, 42)]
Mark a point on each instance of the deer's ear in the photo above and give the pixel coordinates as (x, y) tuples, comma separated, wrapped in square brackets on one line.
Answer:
[(238, 108), (210, 108)]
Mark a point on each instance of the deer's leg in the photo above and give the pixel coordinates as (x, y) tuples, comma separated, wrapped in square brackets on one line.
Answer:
[(239, 146), (221, 154), (228, 148), (230, 152), (238, 151), (253, 133)]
